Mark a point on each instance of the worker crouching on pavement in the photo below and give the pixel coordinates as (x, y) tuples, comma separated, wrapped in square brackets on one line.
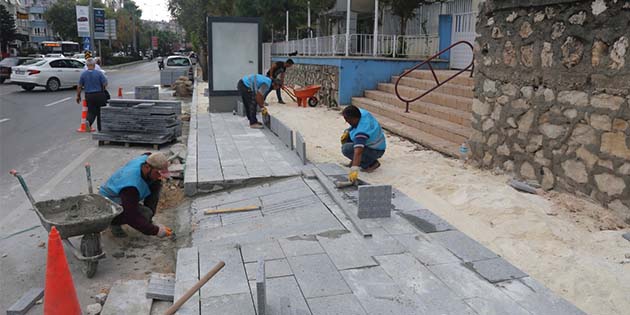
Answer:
[(139, 180), (363, 142), (253, 89)]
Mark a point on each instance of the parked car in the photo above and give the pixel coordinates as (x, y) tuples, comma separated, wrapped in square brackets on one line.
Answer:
[(78, 56), (51, 73), (55, 56), (179, 62), (36, 56), (7, 63)]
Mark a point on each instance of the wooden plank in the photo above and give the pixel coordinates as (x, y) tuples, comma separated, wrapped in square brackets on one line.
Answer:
[(26, 301), (226, 210)]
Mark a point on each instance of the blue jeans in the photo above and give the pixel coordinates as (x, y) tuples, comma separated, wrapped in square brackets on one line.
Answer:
[(368, 157)]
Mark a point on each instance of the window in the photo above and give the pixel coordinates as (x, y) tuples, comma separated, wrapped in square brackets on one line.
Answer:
[(178, 62), (75, 64), (58, 64)]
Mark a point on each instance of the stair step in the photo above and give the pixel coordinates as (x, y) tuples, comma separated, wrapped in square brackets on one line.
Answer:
[(442, 112), (457, 102), (462, 79), (448, 88), (419, 136), (441, 128)]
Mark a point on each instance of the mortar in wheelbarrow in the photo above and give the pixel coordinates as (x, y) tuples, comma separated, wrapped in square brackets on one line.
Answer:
[(77, 215)]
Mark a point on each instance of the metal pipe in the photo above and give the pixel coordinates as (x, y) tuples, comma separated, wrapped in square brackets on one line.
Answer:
[(286, 36), (375, 44), (91, 20), (348, 3)]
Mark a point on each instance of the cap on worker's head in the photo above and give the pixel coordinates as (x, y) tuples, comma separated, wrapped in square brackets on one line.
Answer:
[(289, 61), (158, 161)]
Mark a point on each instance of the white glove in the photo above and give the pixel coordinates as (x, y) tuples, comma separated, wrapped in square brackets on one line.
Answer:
[(164, 231)]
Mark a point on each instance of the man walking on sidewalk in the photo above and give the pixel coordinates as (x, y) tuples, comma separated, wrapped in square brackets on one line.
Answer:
[(94, 83), (253, 89), (277, 71), (139, 180)]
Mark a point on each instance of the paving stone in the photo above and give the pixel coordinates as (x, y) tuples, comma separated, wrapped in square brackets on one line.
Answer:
[(379, 294), (331, 169), (232, 304), (375, 201), (402, 202), (300, 245), (346, 304), (394, 225), (283, 294), (317, 276), (273, 269), (161, 287), (407, 272), (537, 299), (381, 243), (496, 269), (231, 279), (462, 246), (186, 275), (261, 291), (426, 221), (240, 217), (268, 250), (209, 221), (26, 301), (484, 305), (300, 147), (426, 252), (345, 250), (464, 282), (127, 297)]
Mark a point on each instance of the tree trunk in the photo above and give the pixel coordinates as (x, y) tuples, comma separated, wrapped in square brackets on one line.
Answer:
[(203, 61)]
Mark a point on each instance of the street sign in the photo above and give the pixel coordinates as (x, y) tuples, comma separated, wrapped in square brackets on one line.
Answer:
[(110, 29), (86, 44), (99, 24), (154, 42), (83, 21)]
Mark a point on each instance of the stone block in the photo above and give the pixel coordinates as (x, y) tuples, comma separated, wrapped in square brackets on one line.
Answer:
[(283, 294), (317, 276), (267, 250), (161, 287), (331, 169), (496, 270), (346, 304), (261, 291), (382, 243), (147, 92), (483, 305), (231, 279), (300, 147), (426, 252), (273, 269), (300, 245), (394, 225), (127, 297), (537, 299), (462, 246), (402, 202), (375, 201), (231, 304), (26, 301), (186, 275), (346, 251), (464, 282), (426, 221)]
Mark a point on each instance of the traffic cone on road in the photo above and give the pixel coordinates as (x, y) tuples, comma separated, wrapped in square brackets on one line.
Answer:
[(119, 92), (84, 124), (60, 297)]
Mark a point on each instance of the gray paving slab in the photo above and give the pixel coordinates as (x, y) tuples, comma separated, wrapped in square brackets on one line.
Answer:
[(461, 245), (375, 201), (331, 169), (186, 275), (261, 290), (346, 304), (268, 250), (300, 147), (394, 225), (317, 276), (26, 301), (464, 282), (409, 273), (231, 279), (300, 245), (161, 287), (345, 250), (487, 306), (425, 251), (426, 221), (382, 243), (232, 304), (273, 269), (209, 222), (496, 269), (240, 217), (402, 202), (379, 294), (283, 292), (536, 298), (127, 297)]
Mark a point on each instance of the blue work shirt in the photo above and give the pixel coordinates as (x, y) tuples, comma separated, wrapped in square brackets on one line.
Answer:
[(92, 81)]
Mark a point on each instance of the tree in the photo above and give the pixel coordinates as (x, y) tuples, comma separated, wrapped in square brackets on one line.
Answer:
[(62, 17), (7, 28)]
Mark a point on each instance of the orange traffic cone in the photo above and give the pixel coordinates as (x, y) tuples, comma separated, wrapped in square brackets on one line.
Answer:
[(60, 297), (120, 92), (84, 124)]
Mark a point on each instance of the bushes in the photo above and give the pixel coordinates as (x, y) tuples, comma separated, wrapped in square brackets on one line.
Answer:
[(121, 59)]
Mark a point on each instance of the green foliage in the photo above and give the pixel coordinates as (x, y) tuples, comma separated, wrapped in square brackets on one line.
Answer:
[(7, 27), (62, 18), (122, 59)]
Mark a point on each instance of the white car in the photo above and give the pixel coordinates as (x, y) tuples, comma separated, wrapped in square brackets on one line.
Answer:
[(179, 62), (53, 74), (54, 56), (79, 56)]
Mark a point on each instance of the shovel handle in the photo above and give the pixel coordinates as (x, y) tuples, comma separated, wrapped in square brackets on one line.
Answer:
[(23, 184), (171, 310)]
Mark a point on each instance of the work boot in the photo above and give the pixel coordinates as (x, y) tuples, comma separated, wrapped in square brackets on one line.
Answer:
[(117, 231), (372, 167), (256, 126), (281, 102)]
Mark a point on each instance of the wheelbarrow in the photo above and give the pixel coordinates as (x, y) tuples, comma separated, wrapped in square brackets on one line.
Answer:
[(303, 96), (82, 215)]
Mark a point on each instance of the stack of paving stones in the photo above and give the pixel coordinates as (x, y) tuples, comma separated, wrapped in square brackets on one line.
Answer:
[(169, 76), (316, 263), (147, 92), (150, 123)]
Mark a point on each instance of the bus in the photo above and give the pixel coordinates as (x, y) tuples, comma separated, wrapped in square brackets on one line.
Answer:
[(60, 47)]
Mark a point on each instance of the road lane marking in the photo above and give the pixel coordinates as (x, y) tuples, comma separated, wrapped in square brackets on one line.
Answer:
[(4, 119), (57, 102)]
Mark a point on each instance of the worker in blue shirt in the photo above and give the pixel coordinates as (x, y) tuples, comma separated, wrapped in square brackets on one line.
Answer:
[(253, 89), (94, 83), (363, 142)]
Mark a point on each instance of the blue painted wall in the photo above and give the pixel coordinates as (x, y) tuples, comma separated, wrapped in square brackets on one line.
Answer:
[(445, 30), (357, 75)]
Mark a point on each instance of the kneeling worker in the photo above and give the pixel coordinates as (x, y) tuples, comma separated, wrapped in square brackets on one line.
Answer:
[(139, 180), (253, 89), (363, 143)]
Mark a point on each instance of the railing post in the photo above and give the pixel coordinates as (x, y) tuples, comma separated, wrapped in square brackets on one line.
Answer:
[(316, 46), (334, 45), (394, 46)]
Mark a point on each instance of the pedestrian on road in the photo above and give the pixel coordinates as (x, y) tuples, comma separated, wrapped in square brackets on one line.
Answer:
[(94, 83), (277, 71), (253, 89), (363, 143), (139, 180)]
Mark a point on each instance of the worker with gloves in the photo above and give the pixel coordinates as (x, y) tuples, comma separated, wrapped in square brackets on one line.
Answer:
[(139, 180), (363, 142), (253, 89)]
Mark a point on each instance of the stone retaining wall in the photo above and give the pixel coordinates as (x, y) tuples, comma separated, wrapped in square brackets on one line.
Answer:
[(326, 76), (552, 95)]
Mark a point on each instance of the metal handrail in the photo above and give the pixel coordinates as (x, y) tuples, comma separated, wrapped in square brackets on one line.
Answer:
[(471, 66)]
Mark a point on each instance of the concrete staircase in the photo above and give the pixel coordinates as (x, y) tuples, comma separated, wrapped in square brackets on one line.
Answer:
[(440, 120)]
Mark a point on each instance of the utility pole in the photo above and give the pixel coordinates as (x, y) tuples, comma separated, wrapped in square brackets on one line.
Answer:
[(91, 19), (133, 27), (287, 31)]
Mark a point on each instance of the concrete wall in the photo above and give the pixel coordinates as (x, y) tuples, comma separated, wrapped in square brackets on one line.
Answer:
[(552, 95), (353, 75)]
